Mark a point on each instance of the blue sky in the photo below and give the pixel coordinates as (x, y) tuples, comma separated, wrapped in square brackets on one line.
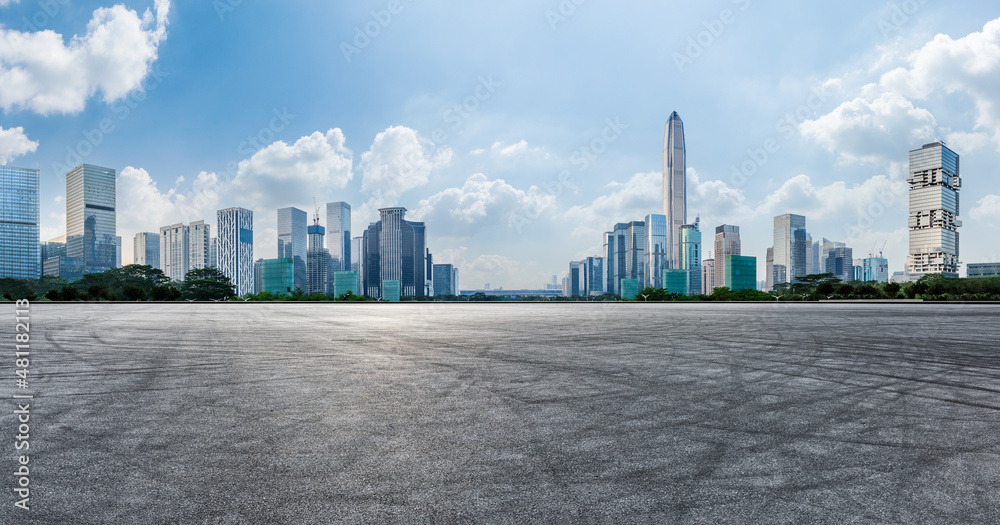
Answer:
[(519, 131)]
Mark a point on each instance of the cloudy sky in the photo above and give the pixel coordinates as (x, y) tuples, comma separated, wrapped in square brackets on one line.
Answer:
[(518, 130)]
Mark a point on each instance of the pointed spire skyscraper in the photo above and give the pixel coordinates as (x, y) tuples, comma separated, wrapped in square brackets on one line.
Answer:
[(674, 186)]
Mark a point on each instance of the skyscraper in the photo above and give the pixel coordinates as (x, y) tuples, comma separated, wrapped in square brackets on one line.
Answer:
[(358, 261), (838, 259), (146, 249), (934, 207), (91, 228), (199, 245), (213, 253), (708, 276), (614, 253), (318, 259), (690, 256), (790, 249), (236, 248), (727, 242), (635, 257), (293, 243), (20, 252), (395, 250), (338, 235), (443, 280), (674, 186), (655, 250), (175, 245)]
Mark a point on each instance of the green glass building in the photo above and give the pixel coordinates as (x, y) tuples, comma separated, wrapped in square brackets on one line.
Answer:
[(741, 272), (278, 276), (344, 282), (676, 281), (390, 290), (630, 289)]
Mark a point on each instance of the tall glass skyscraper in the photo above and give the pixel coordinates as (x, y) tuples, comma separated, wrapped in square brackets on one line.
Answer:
[(317, 259), (655, 250), (293, 243), (236, 248), (690, 256), (838, 259), (790, 249), (338, 235), (91, 232), (146, 249), (934, 185), (395, 250), (614, 254), (727, 242), (20, 256), (674, 186), (635, 257)]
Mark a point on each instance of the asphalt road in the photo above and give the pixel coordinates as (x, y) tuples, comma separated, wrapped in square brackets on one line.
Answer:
[(550, 413)]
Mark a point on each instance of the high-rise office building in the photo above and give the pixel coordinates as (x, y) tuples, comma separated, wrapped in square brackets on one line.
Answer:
[(146, 249), (708, 276), (838, 259), (635, 257), (293, 242), (91, 230), (444, 282), (741, 272), (934, 208), (199, 245), (594, 275), (394, 250), (727, 242), (676, 281), (690, 255), (576, 279), (236, 248), (344, 282), (358, 261), (614, 253), (318, 260), (20, 249), (655, 250), (213, 253), (769, 269), (338, 235), (983, 270), (258, 276), (875, 269), (790, 249), (278, 276), (175, 246), (674, 187)]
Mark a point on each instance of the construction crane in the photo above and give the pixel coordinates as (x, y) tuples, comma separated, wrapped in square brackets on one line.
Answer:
[(316, 215)]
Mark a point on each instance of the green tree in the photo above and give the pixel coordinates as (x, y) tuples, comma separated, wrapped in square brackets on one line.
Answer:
[(132, 292), (206, 284)]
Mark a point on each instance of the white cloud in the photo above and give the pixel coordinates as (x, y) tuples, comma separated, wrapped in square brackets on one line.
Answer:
[(282, 175), (493, 269), (964, 143), (399, 160), (8, 2), (715, 200), (507, 151), (631, 201), (872, 131), (987, 210), (480, 202), (970, 64), (14, 143), (40, 72)]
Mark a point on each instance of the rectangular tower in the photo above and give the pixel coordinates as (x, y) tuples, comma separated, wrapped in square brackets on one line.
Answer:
[(674, 186), (175, 258), (338, 235), (934, 209), (790, 250), (236, 248), (20, 251), (91, 228), (727, 242), (655, 250), (293, 243), (146, 249)]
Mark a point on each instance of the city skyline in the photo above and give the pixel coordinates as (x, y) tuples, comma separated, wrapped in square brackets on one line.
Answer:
[(512, 199)]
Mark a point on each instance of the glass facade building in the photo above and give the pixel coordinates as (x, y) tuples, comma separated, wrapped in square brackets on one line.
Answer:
[(338, 235), (790, 249), (278, 276), (395, 250), (838, 259), (674, 187), (236, 248), (690, 256), (676, 281), (146, 249), (741, 272), (344, 282), (983, 270), (635, 248), (444, 284), (293, 242), (20, 249), (708, 276), (655, 250), (91, 230), (934, 208), (614, 254), (390, 290), (629, 288), (727, 242), (318, 260), (875, 269)]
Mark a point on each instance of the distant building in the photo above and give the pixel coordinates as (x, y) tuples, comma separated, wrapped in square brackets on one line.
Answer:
[(344, 282), (838, 259), (390, 290), (278, 275), (236, 248), (67, 268), (443, 280), (934, 209), (675, 281), (655, 250), (983, 270), (52, 248), (20, 250), (91, 233), (358, 261), (594, 276), (790, 249), (629, 288), (338, 235), (741, 272), (146, 249), (318, 260), (258, 276), (394, 250), (769, 270), (635, 256), (615, 253), (690, 255), (708, 276), (200, 247), (174, 251), (674, 188), (293, 243), (213, 253), (875, 269), (727, 242), (859, 270), (576, 280)]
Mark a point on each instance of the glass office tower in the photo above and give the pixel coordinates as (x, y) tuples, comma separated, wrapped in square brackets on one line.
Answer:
[(338, 235), (934, 185), (790, 249), (674, 186), (727, 242), (91, 232), (146, 249), (675, 281), (655, 250), (278, 276), (20, 252), (690, 256), (318, 259), (293, 242), (236, 248), (741, 272), (635, 259)]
